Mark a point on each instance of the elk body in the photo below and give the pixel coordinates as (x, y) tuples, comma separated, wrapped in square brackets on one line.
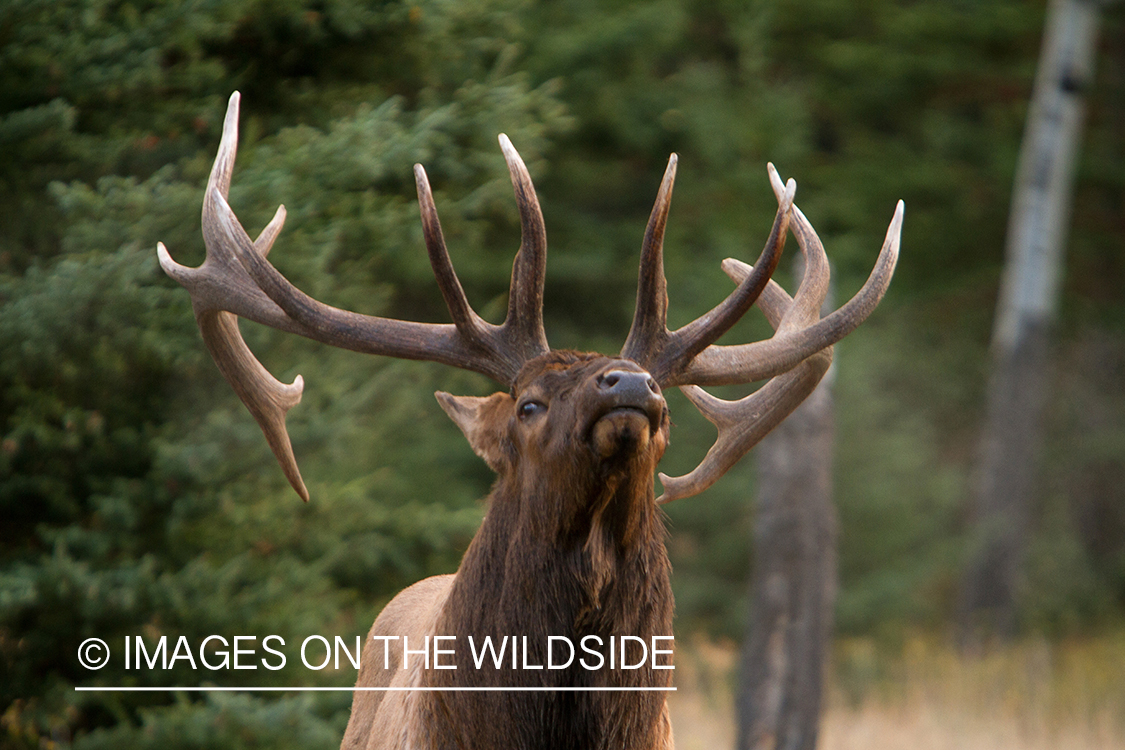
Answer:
[(573, 541)]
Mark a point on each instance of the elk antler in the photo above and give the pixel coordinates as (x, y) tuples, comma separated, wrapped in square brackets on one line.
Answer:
[(795, 358), (235, 280)]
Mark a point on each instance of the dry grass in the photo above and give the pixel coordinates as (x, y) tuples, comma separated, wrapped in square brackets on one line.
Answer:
[(1032, 696)]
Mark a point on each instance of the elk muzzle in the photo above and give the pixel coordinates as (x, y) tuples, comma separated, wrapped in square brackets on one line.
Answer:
[(630, 410)]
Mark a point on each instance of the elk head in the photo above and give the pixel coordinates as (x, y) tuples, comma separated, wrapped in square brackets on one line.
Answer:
[(236, 280), (570, 416)]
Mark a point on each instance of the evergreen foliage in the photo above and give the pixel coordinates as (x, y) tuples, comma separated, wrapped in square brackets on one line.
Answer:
[(138, 498)]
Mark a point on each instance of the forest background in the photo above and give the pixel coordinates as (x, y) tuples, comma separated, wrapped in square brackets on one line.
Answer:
[(138, 497)]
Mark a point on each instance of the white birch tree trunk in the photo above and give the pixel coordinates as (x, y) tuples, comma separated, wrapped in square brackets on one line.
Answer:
[(1005, 481)]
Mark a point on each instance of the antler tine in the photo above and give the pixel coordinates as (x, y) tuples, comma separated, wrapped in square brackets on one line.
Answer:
[(529, 271), (266, 397), (743, 423), (813, 287), (222, 170), (745, 363), (665, 354), (649, 331), (469, 324)]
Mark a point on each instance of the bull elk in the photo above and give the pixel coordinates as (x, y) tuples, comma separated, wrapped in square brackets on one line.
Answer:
[(573, 541)]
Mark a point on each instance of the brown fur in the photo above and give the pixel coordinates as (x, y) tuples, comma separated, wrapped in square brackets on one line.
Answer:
[(572, 545)]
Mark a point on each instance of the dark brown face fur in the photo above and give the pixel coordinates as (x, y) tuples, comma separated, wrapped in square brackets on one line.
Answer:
[(587, 412)]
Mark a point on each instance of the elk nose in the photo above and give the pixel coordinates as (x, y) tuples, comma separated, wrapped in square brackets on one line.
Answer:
[(628, 385)]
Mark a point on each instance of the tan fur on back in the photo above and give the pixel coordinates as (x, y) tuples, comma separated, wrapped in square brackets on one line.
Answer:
[(378, 717)]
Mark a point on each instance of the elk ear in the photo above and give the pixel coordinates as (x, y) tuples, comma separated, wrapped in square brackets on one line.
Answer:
[(483, 419)]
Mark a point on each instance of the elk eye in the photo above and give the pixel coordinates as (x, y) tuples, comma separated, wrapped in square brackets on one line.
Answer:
[(530, 408)]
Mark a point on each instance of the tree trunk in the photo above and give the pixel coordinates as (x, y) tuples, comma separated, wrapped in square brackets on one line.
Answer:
[(1013, 432), (793, 586)]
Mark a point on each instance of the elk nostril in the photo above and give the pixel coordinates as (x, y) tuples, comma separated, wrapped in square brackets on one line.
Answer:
[(628, 383)]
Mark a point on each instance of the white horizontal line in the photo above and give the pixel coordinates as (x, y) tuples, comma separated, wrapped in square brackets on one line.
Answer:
[(112, 689)]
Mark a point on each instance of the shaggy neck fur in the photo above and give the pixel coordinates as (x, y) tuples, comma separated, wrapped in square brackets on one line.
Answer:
[(588, 559)]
